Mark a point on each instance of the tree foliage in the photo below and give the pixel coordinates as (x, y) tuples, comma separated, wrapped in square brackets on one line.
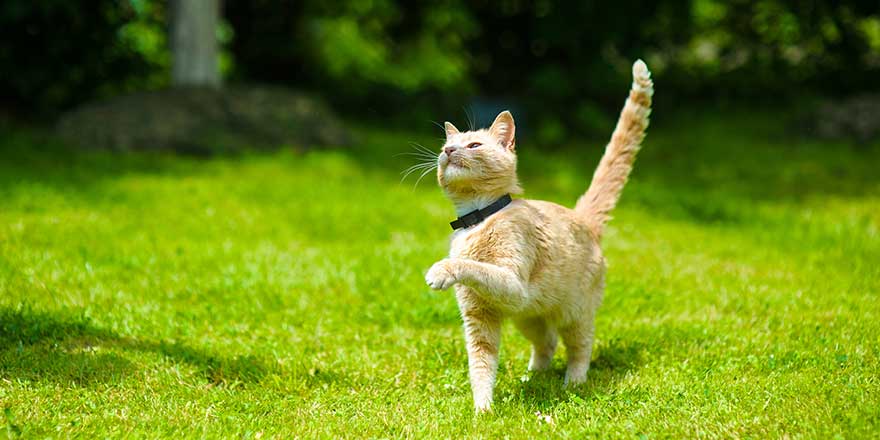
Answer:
[(390, 55), (55, 53)]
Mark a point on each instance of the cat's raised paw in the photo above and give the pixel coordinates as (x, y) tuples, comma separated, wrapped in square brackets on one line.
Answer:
[(440, 276)]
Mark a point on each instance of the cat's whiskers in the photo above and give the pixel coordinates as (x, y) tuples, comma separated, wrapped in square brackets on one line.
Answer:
[(421, 148), (427, 161), (424, 173), (417, 167), (470, 114), (416, 154), (420, 157)]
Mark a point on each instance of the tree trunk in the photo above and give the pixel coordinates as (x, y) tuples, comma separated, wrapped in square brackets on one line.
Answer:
[(194, 42)]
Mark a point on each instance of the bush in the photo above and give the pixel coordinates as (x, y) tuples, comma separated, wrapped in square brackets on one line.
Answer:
[(56, 53)]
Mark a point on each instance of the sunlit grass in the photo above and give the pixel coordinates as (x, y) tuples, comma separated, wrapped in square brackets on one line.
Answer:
[(282, 295)]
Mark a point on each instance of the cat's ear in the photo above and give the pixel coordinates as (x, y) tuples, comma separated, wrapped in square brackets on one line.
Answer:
[(504, 130), (450, 129)]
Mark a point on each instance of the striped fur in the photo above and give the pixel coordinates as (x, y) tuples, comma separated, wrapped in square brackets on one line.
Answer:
[(535, 262), (600, 199)]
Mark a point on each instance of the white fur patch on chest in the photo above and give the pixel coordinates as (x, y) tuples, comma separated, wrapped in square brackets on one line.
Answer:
[(459, 242)]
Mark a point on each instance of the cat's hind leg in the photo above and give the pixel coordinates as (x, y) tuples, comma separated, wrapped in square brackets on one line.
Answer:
[(578, 339), (543, 339)]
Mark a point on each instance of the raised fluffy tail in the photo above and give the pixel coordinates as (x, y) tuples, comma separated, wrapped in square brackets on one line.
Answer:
[(600, 199)]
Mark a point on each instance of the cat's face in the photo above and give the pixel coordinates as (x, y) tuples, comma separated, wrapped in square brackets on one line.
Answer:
[(481, 162)]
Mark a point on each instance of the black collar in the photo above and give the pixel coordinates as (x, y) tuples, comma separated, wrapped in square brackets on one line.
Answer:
[(475, 217)]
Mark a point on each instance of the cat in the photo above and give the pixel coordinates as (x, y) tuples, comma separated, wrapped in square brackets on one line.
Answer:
[(533, 261)]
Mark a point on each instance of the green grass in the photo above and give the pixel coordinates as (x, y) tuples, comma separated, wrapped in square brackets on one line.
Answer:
[(282, 295)]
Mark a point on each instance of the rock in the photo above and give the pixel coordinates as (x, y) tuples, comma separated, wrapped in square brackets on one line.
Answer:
[(204, 121), (856, 117)]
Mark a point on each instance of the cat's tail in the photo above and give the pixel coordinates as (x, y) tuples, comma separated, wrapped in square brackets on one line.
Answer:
[(600, 199)]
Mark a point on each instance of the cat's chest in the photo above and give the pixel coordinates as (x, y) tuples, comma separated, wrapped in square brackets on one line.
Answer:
[(481, 243), (462, 241), (495, 238)]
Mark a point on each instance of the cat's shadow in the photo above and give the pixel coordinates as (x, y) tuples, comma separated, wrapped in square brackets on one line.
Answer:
[(72, 350), (542, 391)]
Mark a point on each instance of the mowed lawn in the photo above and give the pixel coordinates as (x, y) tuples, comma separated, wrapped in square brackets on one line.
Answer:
[(281, 295)]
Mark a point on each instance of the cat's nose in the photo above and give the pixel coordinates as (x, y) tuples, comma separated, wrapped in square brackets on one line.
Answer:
[(449, 150)]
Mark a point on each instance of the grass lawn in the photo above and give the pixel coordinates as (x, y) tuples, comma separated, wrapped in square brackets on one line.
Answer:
[(282, 295)]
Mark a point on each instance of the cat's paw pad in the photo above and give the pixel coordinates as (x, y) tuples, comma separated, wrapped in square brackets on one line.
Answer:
[(439, 276)]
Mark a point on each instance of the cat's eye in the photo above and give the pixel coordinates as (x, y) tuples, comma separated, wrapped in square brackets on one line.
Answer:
[(474, 145)]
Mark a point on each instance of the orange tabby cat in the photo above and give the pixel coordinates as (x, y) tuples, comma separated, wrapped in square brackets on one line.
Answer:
[(533, 261)]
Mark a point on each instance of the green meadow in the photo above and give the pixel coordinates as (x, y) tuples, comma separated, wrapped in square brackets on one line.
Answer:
[(281, 295)]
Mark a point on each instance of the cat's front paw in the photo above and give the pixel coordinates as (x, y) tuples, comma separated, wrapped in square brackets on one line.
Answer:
[(484, 407), (441, 275)]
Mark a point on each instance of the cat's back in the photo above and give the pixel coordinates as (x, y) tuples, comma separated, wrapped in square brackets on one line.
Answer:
[(564, 230)]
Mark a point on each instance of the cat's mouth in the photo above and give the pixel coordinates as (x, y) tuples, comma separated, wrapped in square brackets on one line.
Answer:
[(455, 161)]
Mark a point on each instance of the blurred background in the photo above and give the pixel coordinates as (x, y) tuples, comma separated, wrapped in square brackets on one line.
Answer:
[(562, 67), (204, 226)]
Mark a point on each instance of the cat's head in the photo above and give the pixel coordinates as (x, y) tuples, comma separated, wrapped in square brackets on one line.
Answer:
[(481, 162)]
